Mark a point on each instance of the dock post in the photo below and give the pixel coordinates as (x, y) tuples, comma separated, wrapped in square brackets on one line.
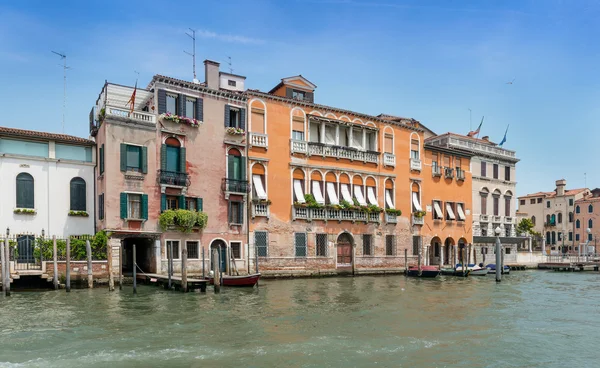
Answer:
[(3, 267), (216, 278), (502, 260), (498, 260), (121, 248), (111, 279), (203, 260), (88, 249), (469, 254), (184, 287), (55, 262), (170, 264), (419, 254), (463, 257), (134, 271), (256, 258), (406, 261), (68, 272), (7, 260)]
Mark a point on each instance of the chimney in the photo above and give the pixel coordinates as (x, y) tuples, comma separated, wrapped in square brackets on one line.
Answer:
[(560, 187), (211, 74), (486, 138)]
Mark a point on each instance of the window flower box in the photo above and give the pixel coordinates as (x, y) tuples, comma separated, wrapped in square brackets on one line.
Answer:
[(180, 120), (79, 213), (24, 211), (234, 131)]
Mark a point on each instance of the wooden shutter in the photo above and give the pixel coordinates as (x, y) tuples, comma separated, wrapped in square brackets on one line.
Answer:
[(483, 168), (289, 93), (163, 202), (102, 159), (123, 205), (162, 101), (309, 96), (163, 157), (227, 109), (389, 143), (243, 168), (144, 160), (298, 124), (145, 206), (258, 121), (241, 212), (229, 212), (243, 119), (199, 205), (181, 102), (101, 206), (230, 165), (182, 160), (199, 109), (182, 202), (123, 157)]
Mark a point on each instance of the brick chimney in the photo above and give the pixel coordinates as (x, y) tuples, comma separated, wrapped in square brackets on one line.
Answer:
[(560, 187), (211, 74)]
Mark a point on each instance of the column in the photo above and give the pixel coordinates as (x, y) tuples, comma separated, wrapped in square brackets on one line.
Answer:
[(337, 135), (441, 255), (364, 138), (322, 140)]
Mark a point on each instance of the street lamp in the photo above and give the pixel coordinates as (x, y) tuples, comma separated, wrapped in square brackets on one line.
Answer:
[(43, 233)]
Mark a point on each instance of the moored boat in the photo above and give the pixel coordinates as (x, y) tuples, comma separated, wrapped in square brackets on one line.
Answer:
[(426, 271), (474, 270), (244, 280), (492, 269), (448, 271)]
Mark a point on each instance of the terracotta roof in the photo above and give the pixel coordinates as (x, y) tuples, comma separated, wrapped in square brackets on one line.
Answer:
[(478, 140), (191, 85), (552, 194), (14, 132)]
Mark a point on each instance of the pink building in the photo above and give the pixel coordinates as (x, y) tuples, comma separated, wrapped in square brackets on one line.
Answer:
[(178, 155), (587, 216)]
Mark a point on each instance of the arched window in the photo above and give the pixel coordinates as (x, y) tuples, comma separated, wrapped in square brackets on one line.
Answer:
[(547, 237), (484, 194), (236, 171), (590, 208), (533, 220), (552, 219), (547, 220), (78, 194), (570, 216), (577, 209), (590, 223), (560, 218), (25, 191), (259, 182), (577, 224)]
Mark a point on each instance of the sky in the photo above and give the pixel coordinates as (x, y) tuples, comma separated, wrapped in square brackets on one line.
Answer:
[(444, 63)]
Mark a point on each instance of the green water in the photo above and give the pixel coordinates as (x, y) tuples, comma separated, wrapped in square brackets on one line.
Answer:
[(531, 319)]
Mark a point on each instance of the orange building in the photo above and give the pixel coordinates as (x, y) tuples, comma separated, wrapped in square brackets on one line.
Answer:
[(341, 191)]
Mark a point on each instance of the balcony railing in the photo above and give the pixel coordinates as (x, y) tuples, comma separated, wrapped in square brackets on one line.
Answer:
[(389, 159), (234, 186), (391, 218), (320, 149), (448, 172), (418, 220), (464, 143), (436, 171), (259, 140), (179, 179), (305, 213), (145, 117), (460, 174), (508, 220), (260, 209), (415, 164), (550, 224), (484, 218), (497, 218)]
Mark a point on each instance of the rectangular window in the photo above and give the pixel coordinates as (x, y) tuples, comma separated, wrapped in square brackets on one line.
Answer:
[(507, 173), (298, 127), (236, 250), (329, 134), (547, 204), (483, 169), (570, 236), (193, 251), (438, 214), (415, 245), (175, 245), (495, 171), (590, 236), (576, 237), (321, 245), (190, 204), (344, 137), (190, 108), (236, 215), (300, 244), (496, 205), (507, 250), (101, 206), (234, 118), (532, 201), (315, 132), (539, 200), (172, 202), (261, 242), (484, 204), (522, 202), (134, 206), (388, 143), (172, 103), (570, 201), (258, 121), (414, 149), (134, 158), (390, 245), (297, 135), (507, 206), (367, 245), (357, 138), (298, 95), (371, 141), (231, 83)]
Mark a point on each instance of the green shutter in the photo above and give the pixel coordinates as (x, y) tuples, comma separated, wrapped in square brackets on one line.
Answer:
[(182, 202), (229, 212), (243, 119), (123, 205), (243, 168), (102, 159), (182, 161), (123, 157), (145, 206), (181, 101), (163, 202), (230, 166), (145, 160), (241, 212), (199, 205), (226, 116), (163, 157)]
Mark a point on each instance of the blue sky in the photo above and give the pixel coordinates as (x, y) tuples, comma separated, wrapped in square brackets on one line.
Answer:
[(429, 60)]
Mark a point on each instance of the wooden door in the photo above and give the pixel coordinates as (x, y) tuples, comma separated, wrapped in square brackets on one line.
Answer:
[(344, 253)]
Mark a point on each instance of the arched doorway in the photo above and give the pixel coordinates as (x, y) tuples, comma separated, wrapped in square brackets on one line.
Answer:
[(436, 251), (462, 251), (222, 247), (344, 251), (449, 252)]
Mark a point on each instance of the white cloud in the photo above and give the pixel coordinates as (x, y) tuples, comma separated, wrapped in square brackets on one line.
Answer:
[(229, 37)]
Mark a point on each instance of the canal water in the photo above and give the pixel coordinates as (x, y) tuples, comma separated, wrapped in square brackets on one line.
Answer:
[(531, 319)]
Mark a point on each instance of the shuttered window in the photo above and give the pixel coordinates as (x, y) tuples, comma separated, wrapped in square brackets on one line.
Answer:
[(300, 244), (134, 158), (236, 212), (172, 104), (78, 194), (190, 108), (258, 121), (101, 206), (101, 159), (134, 206), (25, 191)]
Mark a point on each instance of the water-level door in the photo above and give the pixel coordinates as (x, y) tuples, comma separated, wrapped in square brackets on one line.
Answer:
[(25, 245), (344, 254)]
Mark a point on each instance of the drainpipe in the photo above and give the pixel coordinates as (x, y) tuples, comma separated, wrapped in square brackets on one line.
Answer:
[(248, 175)]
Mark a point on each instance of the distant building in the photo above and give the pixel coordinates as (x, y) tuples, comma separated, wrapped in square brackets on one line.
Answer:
[(587, 216), (47, 183)]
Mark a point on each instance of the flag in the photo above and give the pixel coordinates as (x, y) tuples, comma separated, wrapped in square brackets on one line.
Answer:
[(132, 99), (476, 132), (504, 139)]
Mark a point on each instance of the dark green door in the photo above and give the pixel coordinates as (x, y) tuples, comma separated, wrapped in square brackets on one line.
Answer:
[(223, 255), (173, 159)]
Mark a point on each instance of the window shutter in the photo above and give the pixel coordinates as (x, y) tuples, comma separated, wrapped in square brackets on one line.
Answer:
[(163, 157), (123, 157), (182, 161), (101, 207), (162, 101), (145, 206), (144, 160), (199, 205), (227, 109), (229, 212), (241, 212), (123, 205), (163, 202), (74, 193), (289, 93), (310, 97), (182, 202), (181, 101), (102, 159), (243, 119), (230, 166), (243, 168), (199, 109)]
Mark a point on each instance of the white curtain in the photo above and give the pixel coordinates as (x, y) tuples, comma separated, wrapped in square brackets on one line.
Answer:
[(388, 198), (298, 191), (450, 212), (459, 209), (345, 189), (333, 198), (416, 204), (329, 134), (438, 210), (371, 196), (358, 194), (316, 192), (258, 187)]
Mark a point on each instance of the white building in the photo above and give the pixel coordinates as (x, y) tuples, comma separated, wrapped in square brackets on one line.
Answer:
[(47, 183)]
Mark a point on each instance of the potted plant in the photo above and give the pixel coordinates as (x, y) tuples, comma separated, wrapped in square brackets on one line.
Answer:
[(419, 214)]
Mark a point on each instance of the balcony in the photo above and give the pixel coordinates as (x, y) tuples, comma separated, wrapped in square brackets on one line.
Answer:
[(326, 214), (391, 218), (484, 218), (508, 220), (436, 171), (418, 220), (415, 164), (448, 172), (460, 174), (178, 179), (260, 209), (234, 186), (389, 159), (497, 219), (338, 152), (550, 224), (259, 140)]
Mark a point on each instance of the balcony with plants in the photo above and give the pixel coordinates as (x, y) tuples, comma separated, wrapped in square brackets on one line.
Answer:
[(311, 210), (418, 217), (182, 220)]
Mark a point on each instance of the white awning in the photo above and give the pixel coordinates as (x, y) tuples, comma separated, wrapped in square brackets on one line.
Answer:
[(316, 192), (346, 193), (388, 198), (258, 187), (371, 196), (358, 194), (459, 209), (438, 210), (333, 198), (416, 203), (298, 191), (450, 212)]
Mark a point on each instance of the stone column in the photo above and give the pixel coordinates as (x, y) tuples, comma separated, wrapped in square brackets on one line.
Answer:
[(441, 255)]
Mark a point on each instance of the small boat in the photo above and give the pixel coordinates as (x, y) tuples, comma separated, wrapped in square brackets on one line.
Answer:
[(426, 271), (474, 270), (449, 271), (492, 269), (244, 280)]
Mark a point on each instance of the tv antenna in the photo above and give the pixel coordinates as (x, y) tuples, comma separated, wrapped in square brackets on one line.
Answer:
[(193, 54), (65, 67), (229, 63)]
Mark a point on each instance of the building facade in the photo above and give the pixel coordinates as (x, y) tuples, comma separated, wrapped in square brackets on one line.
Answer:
[(48, 183), (587, 216)]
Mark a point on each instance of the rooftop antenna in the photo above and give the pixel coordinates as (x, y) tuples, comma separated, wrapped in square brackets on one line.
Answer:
[(229, 63), (65, 67), (193, 54)]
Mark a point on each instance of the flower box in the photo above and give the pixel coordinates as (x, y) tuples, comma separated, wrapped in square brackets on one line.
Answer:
[(181, 120), (24, 211), (234, 131), (79, 213)]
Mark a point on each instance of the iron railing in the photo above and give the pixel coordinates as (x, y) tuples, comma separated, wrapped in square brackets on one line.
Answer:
[(179, 179), (234, 185)]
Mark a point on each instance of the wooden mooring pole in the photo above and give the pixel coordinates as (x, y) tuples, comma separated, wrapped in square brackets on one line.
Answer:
[(90, 274), (7, 260), (203, 273), (184, 285), (121, 248), (109, 255), (3, 265), (170, 263), (134, 271), (216, 278), (419, 253), (55, 262), (469, 255), (68, 271), (406, 261)]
